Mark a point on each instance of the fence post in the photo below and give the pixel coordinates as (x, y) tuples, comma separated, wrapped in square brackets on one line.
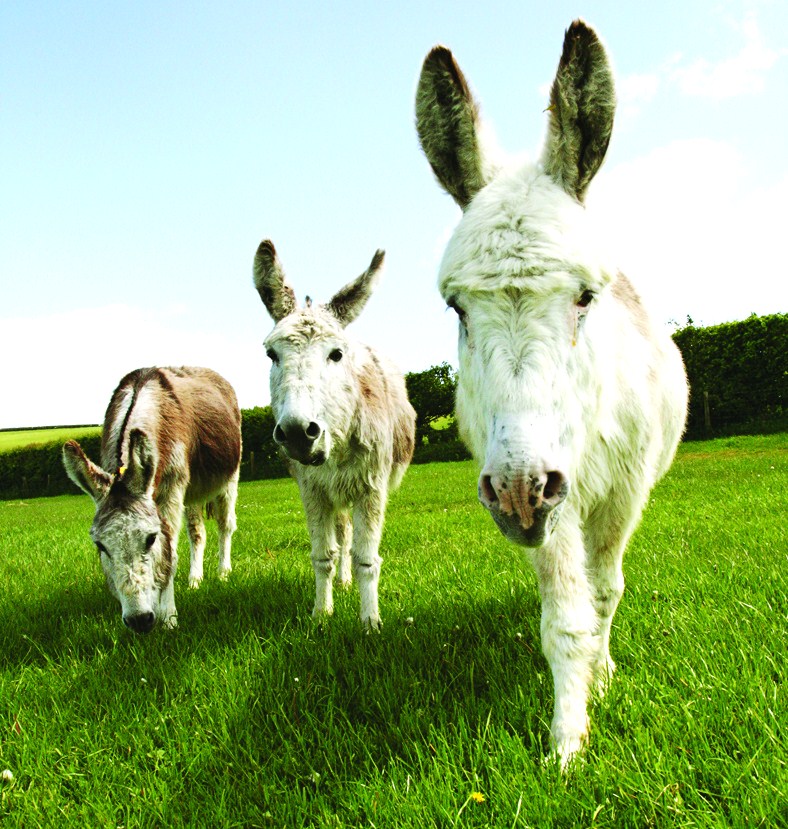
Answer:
[(706, 411), (251, 465)]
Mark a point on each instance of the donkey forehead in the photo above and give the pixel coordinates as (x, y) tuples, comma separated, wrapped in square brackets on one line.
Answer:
[(523, 231), (123, 515), (305, 327)]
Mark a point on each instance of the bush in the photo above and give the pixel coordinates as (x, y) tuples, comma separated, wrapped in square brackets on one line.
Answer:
[(260, 455), (431, 393), (738, 375), (439, 444), (36, 470)]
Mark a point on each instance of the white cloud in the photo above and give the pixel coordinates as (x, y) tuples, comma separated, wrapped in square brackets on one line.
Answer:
[(633, 91), (742, 74), (695, 237), (62, 368)]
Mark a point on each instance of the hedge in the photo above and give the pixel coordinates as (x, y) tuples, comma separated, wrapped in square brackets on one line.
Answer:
[(37, 470), (738, 376)]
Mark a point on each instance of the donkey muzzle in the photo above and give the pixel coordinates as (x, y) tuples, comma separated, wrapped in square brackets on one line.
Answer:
[(301, 439), (140, 622), (524, 506)]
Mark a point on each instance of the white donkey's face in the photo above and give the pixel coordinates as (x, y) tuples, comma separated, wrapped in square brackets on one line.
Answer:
[(313, 381), (312, 384), (523, 273), (524, 384), (133, 546)]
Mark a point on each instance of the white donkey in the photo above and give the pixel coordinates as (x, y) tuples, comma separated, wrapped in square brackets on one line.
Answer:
[(342, 415), (171, 440), (569, 396)]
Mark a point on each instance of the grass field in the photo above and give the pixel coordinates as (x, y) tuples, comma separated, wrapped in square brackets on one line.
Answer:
[(249, 715), (19, 438)]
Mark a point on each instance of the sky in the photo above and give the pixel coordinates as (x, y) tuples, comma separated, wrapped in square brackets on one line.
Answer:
[(147, 147)]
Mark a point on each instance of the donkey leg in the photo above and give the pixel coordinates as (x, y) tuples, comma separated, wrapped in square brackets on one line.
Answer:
[(607, 533), (224, 511), (344, 531), (568, 636), (195, 527), (607, 578), (321, 521), (368, 517), (607, 584), (324, 564), (172, 512)]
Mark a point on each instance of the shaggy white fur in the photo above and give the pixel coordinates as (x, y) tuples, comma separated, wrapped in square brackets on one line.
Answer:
[(572, 401), (344, 421)]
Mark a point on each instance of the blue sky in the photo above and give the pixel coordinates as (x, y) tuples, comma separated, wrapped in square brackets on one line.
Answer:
[(146, 148)]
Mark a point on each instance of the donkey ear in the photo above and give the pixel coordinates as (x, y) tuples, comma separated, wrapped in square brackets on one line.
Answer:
[(143, 459), (83, 472), (348, 302), (448, 124), (271, 283), (582, 105)]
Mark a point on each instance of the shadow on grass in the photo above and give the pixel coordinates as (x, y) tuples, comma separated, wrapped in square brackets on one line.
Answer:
[(72, 621), (296, 695)]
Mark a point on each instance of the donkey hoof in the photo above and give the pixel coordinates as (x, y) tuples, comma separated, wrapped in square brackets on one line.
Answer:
[(372, 624), (564, 763), (170, 622), (224, 575), (567, 752), (195, 582), (322, 615)]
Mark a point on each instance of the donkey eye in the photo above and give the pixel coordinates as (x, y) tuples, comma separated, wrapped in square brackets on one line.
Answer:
[(585, 299), (335, 355), (102, 549), (272, 355), (452, 303), (150, 540)]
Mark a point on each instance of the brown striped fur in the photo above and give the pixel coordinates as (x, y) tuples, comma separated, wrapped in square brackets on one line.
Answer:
[(171, 442)]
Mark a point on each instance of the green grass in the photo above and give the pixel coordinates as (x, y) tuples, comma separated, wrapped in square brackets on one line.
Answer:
[(249, 715), (19, 438)]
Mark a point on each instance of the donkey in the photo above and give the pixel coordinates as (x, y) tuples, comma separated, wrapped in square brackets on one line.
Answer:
[(171, 442), (343, 420), (571, 399)]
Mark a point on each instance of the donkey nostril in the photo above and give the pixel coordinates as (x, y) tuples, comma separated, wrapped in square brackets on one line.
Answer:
[(141, 623), (486, 490), (279, 434), (313, 431), (555, 487)]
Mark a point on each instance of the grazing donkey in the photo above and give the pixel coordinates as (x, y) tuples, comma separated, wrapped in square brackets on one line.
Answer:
[(344, 421), (171, 440), (569, 396)]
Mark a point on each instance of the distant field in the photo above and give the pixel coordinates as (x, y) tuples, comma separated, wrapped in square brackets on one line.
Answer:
[(26, 437)]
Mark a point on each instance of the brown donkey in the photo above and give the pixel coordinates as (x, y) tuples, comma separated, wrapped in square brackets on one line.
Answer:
[(171, 441)]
